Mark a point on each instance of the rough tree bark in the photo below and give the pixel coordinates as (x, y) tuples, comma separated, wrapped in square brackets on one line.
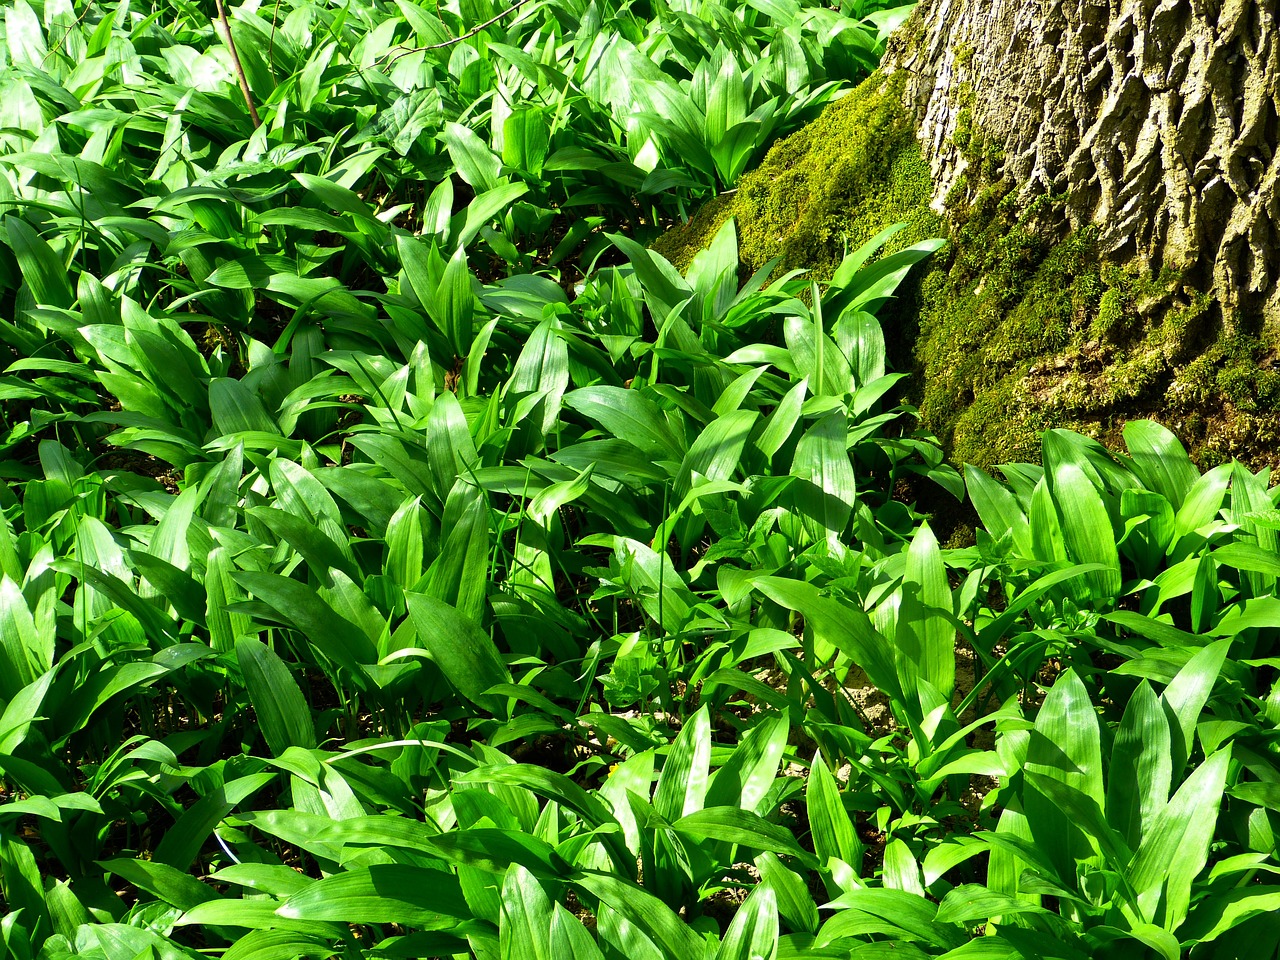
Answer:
[(1156, 118)]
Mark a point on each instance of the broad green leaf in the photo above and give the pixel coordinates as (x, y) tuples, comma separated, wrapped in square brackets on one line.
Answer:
[(642, 908), (753, 933), (277, 701), (901, 914), (1176, 848), (383, 893), (900, 871), (172, 886), (451, 451), (456, 301), (476, 163), (1186, 696), (1203, 501), (1065, 746), (629, 415), (1086, 528), (795, 903), (24, 655), (525, 930), (1160, 460), (926, 637), (970, 902), (846, 627), (464, 653), (717, 452), (181, 843), (1141, 767), (328, 633), (21, 711), (1085, 814), (745, 778), (732, 825), (44, 273), (236, 409), (830, 825), (682, 785), (1223, 912), (821, 459), (998, 509), (782, 422), (525, 140)]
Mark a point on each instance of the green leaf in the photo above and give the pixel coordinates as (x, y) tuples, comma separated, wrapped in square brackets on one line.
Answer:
[(22, 650), (726, 97), (782, 422), (44, 273), (278, 945), (1141, 767), (21, 711), (1187, 694), (926, 636), (181, 844), (871, 285), (319, 550), (646, 911), (477, 164), (525, 140), (682, 785), (463, 652), (628, 415), (277, 701), (716, 453), (731, 825), (328, 633), (1220, 913), (569, 938), (525, 930), (795, 903), (745, 778), (1203, 501), (1084, 813), (1065, 746), (171, 885), (383, 893), (753, 933), (847, 627), (822, 459), (1176, 848), (1086, 528), (236, 410), (1160, 460), (456, 300), (970, 902), (483, 209), (998, 509), (451, 451), (830, 825), (895, 912)]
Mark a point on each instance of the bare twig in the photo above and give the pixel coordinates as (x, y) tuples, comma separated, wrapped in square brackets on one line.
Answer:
[(271, 47), (235, 62), (466, 36)]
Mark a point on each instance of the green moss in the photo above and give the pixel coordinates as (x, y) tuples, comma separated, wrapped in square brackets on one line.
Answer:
[(828, 188), (1021, 326)]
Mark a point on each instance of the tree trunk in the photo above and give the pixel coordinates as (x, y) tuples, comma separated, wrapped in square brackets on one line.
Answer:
[(1156, 118)]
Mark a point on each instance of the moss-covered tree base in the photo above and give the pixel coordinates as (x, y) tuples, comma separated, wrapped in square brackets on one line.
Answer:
[(827, 188), (1020, 326)]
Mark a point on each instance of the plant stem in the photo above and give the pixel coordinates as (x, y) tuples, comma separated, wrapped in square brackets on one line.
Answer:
[(235, 62)]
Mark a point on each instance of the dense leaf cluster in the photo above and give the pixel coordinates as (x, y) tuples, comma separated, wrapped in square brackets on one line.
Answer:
[(399, 559)]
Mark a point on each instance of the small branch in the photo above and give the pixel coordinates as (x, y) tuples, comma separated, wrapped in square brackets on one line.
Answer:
[(235, 62), (466, 36)]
